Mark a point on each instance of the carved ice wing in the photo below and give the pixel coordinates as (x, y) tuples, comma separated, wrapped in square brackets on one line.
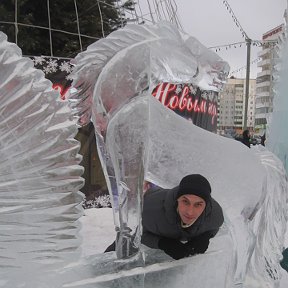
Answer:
[(39, 171)]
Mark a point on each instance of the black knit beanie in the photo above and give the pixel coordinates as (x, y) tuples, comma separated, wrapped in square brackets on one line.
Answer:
[(197, 185)]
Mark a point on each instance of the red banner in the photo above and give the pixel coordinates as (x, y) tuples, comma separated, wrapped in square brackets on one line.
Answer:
[(190, 102)]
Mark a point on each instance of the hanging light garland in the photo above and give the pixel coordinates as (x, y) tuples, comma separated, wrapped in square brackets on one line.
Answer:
[(248, 41), (257, 43), (244, 67), (227, 46), (244, 35)]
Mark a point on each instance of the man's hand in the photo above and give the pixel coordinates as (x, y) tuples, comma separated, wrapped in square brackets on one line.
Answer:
[(173, 248), (199, 244)]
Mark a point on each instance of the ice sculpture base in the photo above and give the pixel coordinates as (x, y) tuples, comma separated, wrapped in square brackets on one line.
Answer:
[(152, 268)]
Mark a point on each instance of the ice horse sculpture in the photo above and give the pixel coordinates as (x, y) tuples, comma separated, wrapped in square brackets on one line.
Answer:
[(39, 176), (114, 79), (138, 137)]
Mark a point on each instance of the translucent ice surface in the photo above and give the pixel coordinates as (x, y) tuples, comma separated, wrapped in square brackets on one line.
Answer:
[(137, 137), (39, 176), (113, 82), (277, 140), (245, 253), (177, 148)]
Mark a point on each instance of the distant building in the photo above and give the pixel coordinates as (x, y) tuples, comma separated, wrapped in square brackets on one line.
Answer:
[(231, 104), (265, 80)]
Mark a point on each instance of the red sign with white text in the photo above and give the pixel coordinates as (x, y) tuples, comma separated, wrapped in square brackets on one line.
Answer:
[(187, 100), (190, 102)]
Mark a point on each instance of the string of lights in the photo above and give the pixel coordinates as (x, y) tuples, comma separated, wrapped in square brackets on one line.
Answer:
[(227, 46), (244, 34), (243, 67), (258, 43)]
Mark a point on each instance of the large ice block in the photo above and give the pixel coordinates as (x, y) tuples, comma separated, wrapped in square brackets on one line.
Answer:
[(138, 136), (153, 268), (277, 138), (40, 175), (113, 84)]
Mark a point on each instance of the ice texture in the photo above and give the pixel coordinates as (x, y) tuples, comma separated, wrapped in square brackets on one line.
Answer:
[(138, 137), (249, 184), (40, 176), (113, 83), (245, 252), (277, 138)]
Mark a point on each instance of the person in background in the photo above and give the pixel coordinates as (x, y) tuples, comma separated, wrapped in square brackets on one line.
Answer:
[(246, 138), (182, 220), (263, 139)]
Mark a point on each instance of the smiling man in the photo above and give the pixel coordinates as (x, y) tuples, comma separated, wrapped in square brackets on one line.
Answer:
[(182, 220)]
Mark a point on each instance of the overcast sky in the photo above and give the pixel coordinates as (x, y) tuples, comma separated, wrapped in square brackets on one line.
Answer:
[(212, 24)]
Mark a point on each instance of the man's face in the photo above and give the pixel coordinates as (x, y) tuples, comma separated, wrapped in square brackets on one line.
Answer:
[(190, 207)]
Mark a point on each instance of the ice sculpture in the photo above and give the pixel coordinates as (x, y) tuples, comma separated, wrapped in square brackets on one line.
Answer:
[(139, 137), (259, 234), (39, 176), (115, 77), (277, 140), (243, 193)]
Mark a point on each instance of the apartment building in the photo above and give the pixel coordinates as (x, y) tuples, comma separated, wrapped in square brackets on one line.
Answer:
[(231, 105), (265, 80)]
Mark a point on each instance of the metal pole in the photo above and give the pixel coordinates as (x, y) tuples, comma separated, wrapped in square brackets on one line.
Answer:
[(248, 43)]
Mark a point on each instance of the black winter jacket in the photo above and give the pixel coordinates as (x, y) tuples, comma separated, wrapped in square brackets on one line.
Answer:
[(160, 218)]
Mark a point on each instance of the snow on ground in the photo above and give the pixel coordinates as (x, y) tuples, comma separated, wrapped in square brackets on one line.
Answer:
[(98, 233), (97, 230)]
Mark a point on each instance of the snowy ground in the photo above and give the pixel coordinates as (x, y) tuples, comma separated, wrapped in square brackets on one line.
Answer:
[(98, 232)]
